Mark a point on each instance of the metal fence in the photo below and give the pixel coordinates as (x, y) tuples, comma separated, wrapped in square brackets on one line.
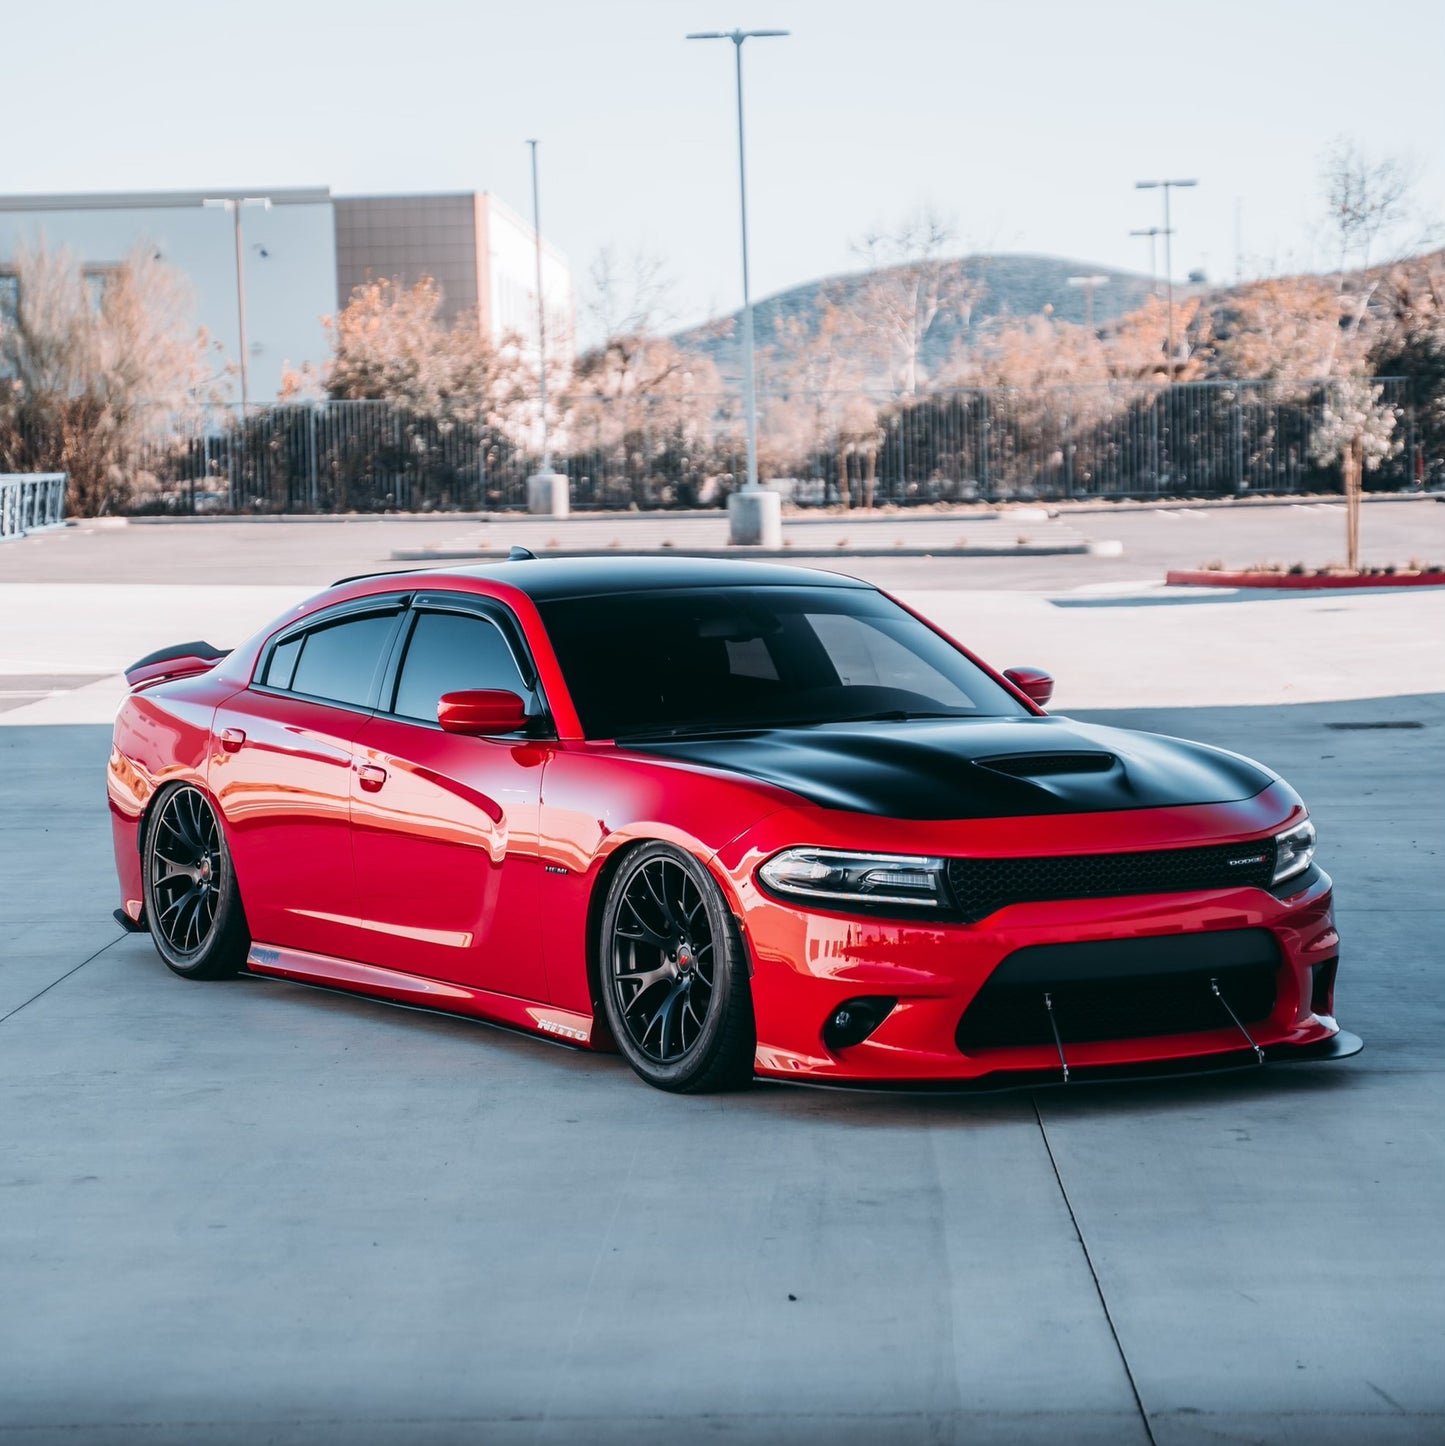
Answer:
[(1194, 439), (31, 502)]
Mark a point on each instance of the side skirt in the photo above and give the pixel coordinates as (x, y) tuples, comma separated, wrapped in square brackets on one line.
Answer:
[(560, 1026)]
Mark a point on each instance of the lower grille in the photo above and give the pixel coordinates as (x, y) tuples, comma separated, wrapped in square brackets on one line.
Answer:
[(1131, 989), (980, 886)]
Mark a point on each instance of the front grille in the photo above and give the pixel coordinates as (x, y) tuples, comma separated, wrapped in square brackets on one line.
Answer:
[(980, 886), (1124, 989)]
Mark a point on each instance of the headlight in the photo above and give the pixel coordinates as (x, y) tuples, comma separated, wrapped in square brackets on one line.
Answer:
[(859, 878), (1293, 851)]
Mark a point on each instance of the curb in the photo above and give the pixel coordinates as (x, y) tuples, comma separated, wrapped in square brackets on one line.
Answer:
[(782, 554), (1303, 582)]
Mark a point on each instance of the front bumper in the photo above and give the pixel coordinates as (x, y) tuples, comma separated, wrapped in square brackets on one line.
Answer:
[(809, 963)]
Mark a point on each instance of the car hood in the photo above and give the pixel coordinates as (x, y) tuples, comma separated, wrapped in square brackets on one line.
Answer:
[(976, 768)]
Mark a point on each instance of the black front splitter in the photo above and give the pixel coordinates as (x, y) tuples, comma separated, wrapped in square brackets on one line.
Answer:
[(1341, 1045)]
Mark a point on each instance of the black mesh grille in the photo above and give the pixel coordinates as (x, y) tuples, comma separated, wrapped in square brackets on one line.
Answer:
[(982, 885), (1012, 1014)]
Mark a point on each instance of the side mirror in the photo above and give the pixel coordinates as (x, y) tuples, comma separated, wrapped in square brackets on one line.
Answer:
[(482, 712), (1033, 683)]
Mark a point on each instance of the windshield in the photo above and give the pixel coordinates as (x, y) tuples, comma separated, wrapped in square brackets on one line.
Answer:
[(701, 660)]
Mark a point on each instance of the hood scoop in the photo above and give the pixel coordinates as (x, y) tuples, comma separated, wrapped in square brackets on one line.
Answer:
[(1047, 765)]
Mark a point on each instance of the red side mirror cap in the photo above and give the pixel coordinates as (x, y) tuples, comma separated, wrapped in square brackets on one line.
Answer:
[(1033, 683), (482, 712)]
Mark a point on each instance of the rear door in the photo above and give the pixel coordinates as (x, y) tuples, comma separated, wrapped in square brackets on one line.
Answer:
[(445, 827), (282, 771)]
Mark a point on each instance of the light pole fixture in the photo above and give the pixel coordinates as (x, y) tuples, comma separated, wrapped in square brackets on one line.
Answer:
[(750, 399), (233, 204), (1153, 233), (1088, 283), (546, 466), (1167, 232)]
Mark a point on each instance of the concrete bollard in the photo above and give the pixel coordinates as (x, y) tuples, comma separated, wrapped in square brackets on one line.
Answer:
[(548, 494), (755, 518)]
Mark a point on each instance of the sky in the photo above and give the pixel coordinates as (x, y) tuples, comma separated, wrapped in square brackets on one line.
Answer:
[(1025, 122)]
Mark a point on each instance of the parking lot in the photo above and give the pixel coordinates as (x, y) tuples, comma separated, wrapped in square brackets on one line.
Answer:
[(252, 1211)]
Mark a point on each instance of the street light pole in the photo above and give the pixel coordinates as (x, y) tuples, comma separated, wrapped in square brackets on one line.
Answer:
[(1152, 232), (750, 399), (1088, 283), (546, 466), (233, 204), (1168, 231)]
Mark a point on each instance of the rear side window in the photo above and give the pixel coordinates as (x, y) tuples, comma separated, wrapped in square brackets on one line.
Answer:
[(450, 653), (282, 667), (338, 663)]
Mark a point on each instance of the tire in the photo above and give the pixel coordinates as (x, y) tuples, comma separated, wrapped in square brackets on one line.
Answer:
[(193, 904), (673, 974)]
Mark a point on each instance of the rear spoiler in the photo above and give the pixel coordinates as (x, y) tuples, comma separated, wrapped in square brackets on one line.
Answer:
[(179, 661)]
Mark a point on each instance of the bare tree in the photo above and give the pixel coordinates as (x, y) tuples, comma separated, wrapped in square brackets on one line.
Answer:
[(89, 376), (911, 281), (1357, 430), (1366, 197)]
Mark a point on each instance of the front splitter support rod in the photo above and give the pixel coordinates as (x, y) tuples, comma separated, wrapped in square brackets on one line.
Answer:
[(1058, 1042), (1258, 1052)]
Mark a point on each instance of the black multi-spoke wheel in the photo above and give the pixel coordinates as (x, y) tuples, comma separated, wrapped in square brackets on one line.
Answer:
[(674, 978), (192, 903)]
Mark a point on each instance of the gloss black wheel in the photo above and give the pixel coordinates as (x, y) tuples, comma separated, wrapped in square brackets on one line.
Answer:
[(193, 905), (674, 975)]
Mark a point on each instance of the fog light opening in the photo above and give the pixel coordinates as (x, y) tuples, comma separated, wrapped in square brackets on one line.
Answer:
[(854, 1020), (1322, 988)]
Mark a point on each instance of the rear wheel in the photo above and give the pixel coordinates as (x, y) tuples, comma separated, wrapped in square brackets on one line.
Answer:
[(192, 902), (674, 975)]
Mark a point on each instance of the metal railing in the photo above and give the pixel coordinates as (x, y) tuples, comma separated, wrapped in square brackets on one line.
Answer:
[(31, 502), (1192, 439)]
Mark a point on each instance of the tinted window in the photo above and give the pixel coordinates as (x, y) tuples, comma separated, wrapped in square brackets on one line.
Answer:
[(282, 667), (448, 653), (703, 658), (339, 662)]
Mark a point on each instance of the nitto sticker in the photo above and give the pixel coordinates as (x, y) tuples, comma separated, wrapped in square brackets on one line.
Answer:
[(265, 956), (565, 1030)]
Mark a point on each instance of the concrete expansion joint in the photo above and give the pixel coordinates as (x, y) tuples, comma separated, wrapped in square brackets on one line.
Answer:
[(1093, 1273)]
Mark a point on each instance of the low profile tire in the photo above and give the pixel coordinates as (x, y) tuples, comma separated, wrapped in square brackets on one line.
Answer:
[(674, 975), (192, 902)]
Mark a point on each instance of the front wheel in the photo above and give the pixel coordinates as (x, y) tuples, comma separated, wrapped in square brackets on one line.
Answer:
[(674, 976), (192, 901)]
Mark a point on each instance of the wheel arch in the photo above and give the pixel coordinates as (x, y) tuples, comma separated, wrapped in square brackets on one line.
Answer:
[(597, 902)]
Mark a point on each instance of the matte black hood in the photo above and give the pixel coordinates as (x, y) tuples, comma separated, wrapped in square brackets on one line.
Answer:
[(976, 768)]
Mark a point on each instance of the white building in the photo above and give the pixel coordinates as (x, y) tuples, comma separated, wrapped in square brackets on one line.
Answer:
[(302, 253)]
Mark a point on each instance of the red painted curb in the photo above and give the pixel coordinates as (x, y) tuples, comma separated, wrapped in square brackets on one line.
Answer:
[(1304, 580)]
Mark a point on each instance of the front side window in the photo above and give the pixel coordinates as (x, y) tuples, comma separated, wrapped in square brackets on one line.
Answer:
[(452, 653), (337, 662), (693, 660)]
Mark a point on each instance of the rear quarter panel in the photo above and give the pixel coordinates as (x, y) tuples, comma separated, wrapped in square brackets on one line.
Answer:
[(162, 735)]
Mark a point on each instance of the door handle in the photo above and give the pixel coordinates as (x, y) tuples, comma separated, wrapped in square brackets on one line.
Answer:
[(372, 776), (232, 739)]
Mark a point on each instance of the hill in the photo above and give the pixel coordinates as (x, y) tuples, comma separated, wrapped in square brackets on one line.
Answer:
[(999, 285)]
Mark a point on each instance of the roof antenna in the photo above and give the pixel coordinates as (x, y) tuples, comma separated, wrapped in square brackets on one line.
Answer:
[(521, 554)]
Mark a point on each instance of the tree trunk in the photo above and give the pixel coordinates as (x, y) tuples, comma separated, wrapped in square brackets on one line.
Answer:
[(1354, 476)]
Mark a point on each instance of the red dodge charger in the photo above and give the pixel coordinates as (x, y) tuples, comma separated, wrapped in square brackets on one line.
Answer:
[(727, 818)]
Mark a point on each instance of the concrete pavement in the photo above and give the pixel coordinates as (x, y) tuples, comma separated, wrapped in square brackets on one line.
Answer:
[(253, 1212)]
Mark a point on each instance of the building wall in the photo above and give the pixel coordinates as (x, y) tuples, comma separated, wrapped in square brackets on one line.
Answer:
[(290, 263), (403, 238), (512, 285)]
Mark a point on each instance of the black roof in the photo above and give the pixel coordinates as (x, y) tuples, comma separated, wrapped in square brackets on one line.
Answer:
[(571, 577)]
